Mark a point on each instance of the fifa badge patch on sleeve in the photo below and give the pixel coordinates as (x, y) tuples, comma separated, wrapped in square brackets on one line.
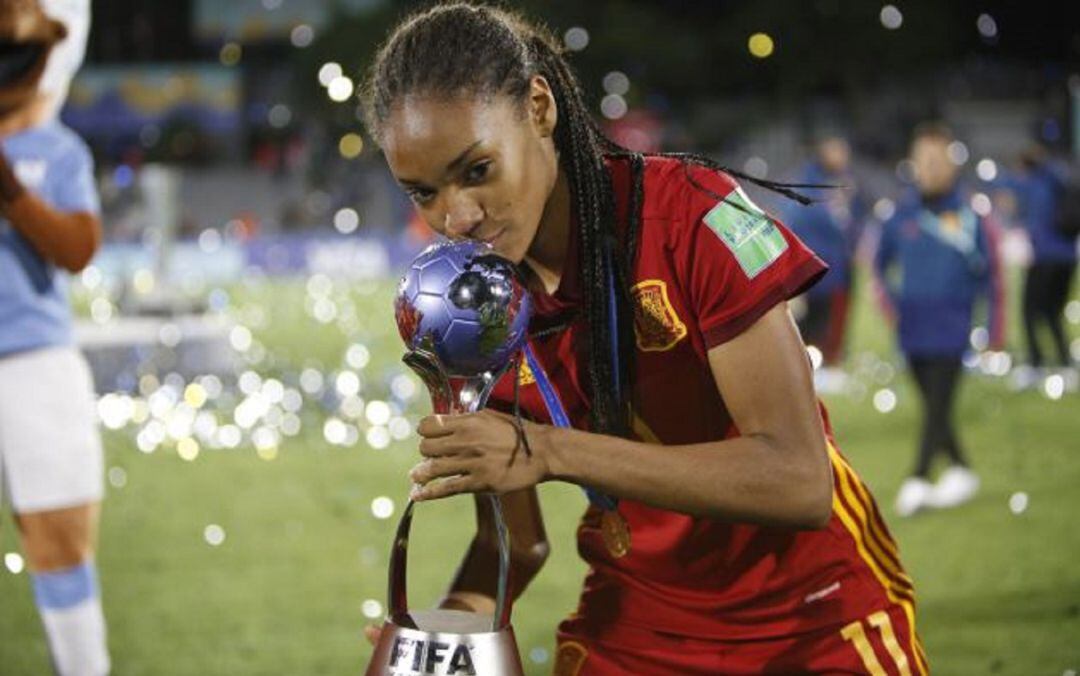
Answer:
[(747, 231)]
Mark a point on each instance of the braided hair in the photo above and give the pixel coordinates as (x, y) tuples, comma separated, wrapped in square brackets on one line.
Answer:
[(460, 49)]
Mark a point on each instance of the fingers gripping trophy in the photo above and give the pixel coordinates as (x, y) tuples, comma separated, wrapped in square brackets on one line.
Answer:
[(463, 315)]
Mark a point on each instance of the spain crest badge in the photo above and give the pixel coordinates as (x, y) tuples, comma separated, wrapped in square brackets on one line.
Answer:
[(656, 325)]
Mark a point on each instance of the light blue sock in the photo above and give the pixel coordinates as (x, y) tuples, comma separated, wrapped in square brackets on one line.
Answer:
[(70, 609)]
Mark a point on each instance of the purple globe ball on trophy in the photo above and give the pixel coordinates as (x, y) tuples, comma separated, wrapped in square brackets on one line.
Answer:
[(464, 304)]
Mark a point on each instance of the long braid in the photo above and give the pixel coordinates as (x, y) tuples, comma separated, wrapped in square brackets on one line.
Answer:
[(469, 50), (594, 205)]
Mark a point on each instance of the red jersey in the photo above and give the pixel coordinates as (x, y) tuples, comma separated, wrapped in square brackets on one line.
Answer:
[(708, 269)]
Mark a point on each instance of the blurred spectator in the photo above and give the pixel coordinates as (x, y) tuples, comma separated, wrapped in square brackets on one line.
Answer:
[(946, 257), (831, 227), (1040, 190)]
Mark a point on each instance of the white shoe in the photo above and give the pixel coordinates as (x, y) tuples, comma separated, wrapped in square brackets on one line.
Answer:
[(915, 494), (955, 486)]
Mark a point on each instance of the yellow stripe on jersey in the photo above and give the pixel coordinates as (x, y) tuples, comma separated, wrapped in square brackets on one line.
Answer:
[(872, 535), (642, 429), (867, 501), (858, 531), (897, 584)]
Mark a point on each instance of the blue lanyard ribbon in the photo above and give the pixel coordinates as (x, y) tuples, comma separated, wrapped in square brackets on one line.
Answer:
[(555, 408)]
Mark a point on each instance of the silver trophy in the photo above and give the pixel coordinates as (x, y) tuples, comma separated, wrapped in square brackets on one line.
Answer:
[(463, 315)]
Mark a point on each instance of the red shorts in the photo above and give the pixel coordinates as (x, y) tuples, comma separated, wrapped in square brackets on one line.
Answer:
[(879, 644)]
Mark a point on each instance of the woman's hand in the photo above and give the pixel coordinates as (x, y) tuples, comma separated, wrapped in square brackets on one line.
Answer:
[(476, 453), (372, 633)]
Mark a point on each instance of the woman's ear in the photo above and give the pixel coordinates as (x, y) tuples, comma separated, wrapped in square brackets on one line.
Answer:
[(543, 112)]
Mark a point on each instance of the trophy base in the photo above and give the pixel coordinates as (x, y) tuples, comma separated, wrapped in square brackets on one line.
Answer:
[(451, 621), (446, 642)]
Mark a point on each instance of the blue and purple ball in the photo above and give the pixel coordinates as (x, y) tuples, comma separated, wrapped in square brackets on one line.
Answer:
[(466, 305)]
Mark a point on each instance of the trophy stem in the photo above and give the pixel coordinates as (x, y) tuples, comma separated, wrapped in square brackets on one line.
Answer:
[(451, 394)]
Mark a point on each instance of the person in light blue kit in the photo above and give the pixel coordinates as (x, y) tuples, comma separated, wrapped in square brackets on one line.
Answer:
[(935, 259), (831, 228), (50, 452)]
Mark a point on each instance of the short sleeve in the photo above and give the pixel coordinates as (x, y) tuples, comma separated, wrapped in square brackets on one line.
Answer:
[(739, 261), (71, 180)]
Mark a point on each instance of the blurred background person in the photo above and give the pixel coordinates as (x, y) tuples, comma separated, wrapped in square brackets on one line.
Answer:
[(831, 227), (50, 453), (1040, 190), (935, 258)]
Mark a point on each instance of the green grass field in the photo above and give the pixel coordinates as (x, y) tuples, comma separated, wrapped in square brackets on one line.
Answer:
[(285, 593)]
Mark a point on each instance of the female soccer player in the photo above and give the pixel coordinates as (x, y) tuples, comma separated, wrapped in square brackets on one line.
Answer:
[(725, 533), (51, 460)]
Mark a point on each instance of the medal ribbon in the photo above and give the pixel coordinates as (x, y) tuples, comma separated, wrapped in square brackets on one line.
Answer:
[(559, 418), (555, 408)]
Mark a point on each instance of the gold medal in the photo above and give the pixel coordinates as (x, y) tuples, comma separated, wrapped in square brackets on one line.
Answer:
[(616, 533)]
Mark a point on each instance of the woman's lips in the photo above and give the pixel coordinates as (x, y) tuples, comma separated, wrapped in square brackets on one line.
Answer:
[(492, 238)]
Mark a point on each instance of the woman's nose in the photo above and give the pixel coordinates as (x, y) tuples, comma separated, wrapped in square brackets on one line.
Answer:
[(462, 216)]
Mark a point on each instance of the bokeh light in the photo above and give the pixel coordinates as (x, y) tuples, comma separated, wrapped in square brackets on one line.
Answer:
[(958, 153), (760, 45), (230, 54), (613, 106), (346, 220), (351, 145), (214, 535), (13, 561), (756, 166), (117, 477), (340, 88), (576, 39), (1054, 386), (891, 17), (1018, 502), (302, 35), (616, 82), (328, 72), (987, 26), (885, 400), (382, 507), (884, 208), (986, 169), (372, 609)]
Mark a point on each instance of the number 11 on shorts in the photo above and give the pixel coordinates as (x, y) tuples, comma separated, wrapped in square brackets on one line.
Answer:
[(856, 634)]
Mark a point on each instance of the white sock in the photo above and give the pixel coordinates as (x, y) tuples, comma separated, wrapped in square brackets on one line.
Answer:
[(70, 609)]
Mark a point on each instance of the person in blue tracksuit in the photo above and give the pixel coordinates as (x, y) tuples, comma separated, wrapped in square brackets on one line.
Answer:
[(935, 258), (831, 228), (1039, 187)]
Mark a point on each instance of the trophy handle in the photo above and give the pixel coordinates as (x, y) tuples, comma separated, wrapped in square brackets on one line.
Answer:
[(451, 395), (426, 366), (399, 555)]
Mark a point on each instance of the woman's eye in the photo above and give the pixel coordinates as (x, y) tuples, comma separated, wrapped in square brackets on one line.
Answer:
[(477, 172), (421, 195)]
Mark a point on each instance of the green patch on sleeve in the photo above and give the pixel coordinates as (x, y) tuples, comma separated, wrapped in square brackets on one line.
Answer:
[(747, 231)]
